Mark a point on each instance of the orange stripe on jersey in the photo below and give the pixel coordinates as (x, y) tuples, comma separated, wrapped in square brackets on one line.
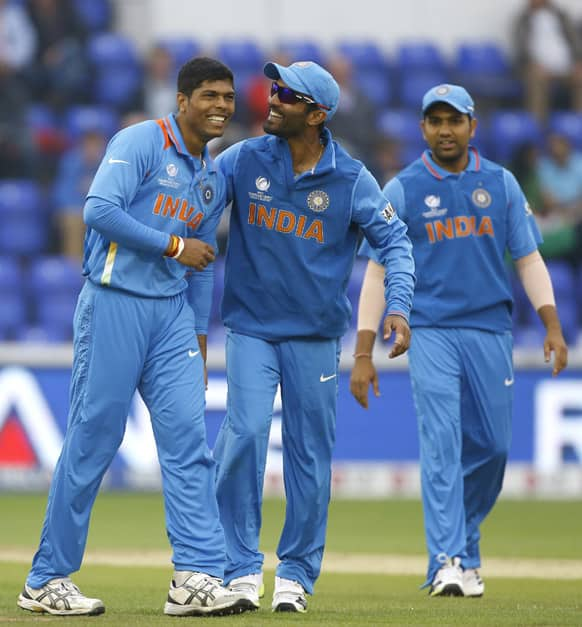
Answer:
[(171, 132), (430, 168), (167, 142)]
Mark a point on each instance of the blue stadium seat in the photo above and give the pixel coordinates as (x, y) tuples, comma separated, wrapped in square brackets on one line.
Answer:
[(181, 49), (363, 54), (111, 50), (401, 124), (13, 311), (23, 229), (117, 86), (508, 129), (48, 333), (95, 15), (80, 119), (569, 124), (484, 69), (415, 56), (301, 50), (376, 85), (243, 55), (55, 283), (412, 87)]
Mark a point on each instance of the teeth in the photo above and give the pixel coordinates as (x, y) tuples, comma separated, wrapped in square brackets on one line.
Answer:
[(217, 118), (272, 114)]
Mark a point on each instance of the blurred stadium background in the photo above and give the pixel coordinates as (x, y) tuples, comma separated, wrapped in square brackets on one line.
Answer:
[(396, 51)]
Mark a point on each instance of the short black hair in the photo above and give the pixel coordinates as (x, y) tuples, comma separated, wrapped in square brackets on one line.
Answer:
[(199, 69)]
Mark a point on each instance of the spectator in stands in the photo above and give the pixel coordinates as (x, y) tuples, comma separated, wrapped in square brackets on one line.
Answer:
[(17, 46), (354, 123), (77, 169), (159, 87), (59, 75), (549, 54), (560, 175)]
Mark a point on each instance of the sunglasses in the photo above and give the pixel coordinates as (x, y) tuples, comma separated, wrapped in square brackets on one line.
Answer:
[(290, 96)]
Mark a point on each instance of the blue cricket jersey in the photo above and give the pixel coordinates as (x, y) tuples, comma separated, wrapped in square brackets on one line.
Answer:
[(460, 226), (293, 240), (147, 187)]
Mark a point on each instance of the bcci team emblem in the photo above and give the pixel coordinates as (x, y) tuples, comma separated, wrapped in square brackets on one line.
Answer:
[(172, 169), (388, 212), (481, 197), (207, 193), (262, 183), (318, 201), (442, 90)]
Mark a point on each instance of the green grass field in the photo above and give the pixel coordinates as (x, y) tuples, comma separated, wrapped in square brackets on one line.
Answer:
[(531, 533)]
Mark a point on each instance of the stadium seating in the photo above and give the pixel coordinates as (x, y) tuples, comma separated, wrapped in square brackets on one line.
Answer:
[(485, 70), (244, 57), (95, 15), (508, 129), (13, 313), (105, 50), (419, 56), (80, 119), (363, 54), (569, 124), (23, 228), (54, 284), (118, 86), (413, 86), (181, 49), (301, 50)]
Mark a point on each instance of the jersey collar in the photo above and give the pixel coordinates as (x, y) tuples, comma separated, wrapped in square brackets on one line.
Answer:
[(474, 164), (175, 136)]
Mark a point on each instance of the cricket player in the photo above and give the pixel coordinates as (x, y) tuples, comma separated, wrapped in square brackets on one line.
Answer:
[(140, 323), (298, 204), (463, 213)]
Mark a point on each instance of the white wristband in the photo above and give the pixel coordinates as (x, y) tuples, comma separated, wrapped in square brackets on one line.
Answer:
[(180, 248)]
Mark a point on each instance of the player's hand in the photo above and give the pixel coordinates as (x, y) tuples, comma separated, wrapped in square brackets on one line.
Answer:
[(196, 254), (554, 342), (399, 326), (363, 374)]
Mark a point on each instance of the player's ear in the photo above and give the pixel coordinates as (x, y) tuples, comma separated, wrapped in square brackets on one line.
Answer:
[(473, 123), (182, 101), (422, 129), (315, 117)]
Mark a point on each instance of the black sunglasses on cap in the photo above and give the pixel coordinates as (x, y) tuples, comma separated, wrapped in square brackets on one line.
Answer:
[(290, 96)]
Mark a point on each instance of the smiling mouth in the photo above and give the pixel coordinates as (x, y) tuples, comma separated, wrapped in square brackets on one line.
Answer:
[(217, 119), (273, 115)]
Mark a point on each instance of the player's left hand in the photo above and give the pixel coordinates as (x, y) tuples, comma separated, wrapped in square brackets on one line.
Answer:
[(399, 326), (555, 342)]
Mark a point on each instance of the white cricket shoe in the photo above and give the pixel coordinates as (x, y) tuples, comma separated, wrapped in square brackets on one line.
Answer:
[(289, 596), (198, 594), (61, 597), (473, 585), (251, 585), (448, 581)]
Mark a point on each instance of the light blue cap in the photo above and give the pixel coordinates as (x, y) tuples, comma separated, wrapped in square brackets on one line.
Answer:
[(455, 95), (310, 79)]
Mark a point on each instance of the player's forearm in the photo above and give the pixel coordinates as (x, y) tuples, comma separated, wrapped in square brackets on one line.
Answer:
[(365, 343), (118, 226), (372, 305), (534, 276), (203, 343), (549, 316)]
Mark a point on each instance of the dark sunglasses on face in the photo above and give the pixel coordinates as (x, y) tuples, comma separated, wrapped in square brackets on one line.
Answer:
[(289, 96)]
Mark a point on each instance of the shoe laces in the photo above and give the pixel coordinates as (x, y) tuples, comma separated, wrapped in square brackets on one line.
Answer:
[(66, 585)]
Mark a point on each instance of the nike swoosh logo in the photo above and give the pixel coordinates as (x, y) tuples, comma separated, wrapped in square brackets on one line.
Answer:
[(192, 353), (324, 379), (508, 382), (117, 161)]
